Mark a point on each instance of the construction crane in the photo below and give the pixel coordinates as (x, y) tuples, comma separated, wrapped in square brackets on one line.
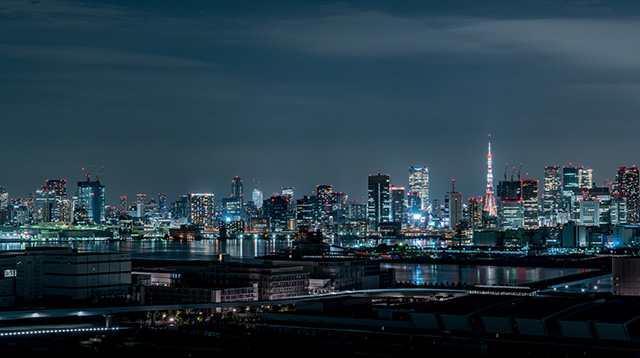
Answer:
[(519, 171), (506, 166), (100, 172)]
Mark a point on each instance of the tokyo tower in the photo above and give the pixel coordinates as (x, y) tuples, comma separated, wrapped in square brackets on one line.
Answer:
[(490, 199)]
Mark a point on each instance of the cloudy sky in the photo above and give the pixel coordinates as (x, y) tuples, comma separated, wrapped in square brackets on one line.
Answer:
[(181, 96)]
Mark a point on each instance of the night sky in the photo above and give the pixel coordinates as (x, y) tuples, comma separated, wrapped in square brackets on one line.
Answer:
[(181, 96)]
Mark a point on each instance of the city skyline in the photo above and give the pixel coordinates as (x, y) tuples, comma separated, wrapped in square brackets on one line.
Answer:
[(180, 98)]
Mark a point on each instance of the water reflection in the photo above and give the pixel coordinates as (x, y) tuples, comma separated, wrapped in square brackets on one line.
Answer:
[(472, 274)]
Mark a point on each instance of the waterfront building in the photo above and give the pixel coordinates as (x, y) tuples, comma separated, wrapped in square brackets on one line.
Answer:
[(91, 197), (379, 200), (63, 275), (201, 210), (419, 184)]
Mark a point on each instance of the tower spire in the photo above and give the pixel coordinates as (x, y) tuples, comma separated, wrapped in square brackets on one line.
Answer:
[(490, 200)]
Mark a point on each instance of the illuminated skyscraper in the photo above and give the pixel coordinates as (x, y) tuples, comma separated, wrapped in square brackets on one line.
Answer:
[(123, 204), (201, 210), (162, 204), (529, 194), (490, 200), (379, 200), (475, 214), (398, 205), (626, 187), (257, 197), (551, 194), (419, 183), (91, 198), (4, 198), (237, 189), (324, 203)]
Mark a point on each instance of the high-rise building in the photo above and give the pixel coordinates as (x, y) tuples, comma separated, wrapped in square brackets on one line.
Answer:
[(551, 194), (379, 200), (306, 212), (453, 201), (530, 202), (475, 213), (202, 210), (4, 198), (162, 204), (237, 189), (419, 183), (59, 186), (398, 205), (490, 206), (46, 205), (276, 209), (288, 192), (627, 186), (91, 197), (257, 197), (124, 206), (324, 203), (180, 209), (585, 178)]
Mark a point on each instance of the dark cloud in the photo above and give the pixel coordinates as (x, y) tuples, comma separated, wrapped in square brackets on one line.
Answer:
[(177, 98)]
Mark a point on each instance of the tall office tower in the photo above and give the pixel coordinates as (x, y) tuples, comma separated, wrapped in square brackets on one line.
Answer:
[(530, 202), (237, 189), (397, 204), (180, 209), (59, 186), (91, 198), (585, 178), (201, 210), (275, 208), (162, 203), (324, 203), (46, 205), (231, 209), (626, 186), (4, 198), (419, 183), (306, 212), (570, 178), (618, 211), (378, 201), (551, 194), (124, 207), (59, 212), (257, 196), (490, 200), (454, 206), (475, 214)]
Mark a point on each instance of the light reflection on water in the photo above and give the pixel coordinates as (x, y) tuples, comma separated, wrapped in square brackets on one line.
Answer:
[(247, 249), (472, 274)]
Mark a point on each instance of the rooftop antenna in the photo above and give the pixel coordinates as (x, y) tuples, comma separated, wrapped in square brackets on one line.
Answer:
[(512, 172)]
